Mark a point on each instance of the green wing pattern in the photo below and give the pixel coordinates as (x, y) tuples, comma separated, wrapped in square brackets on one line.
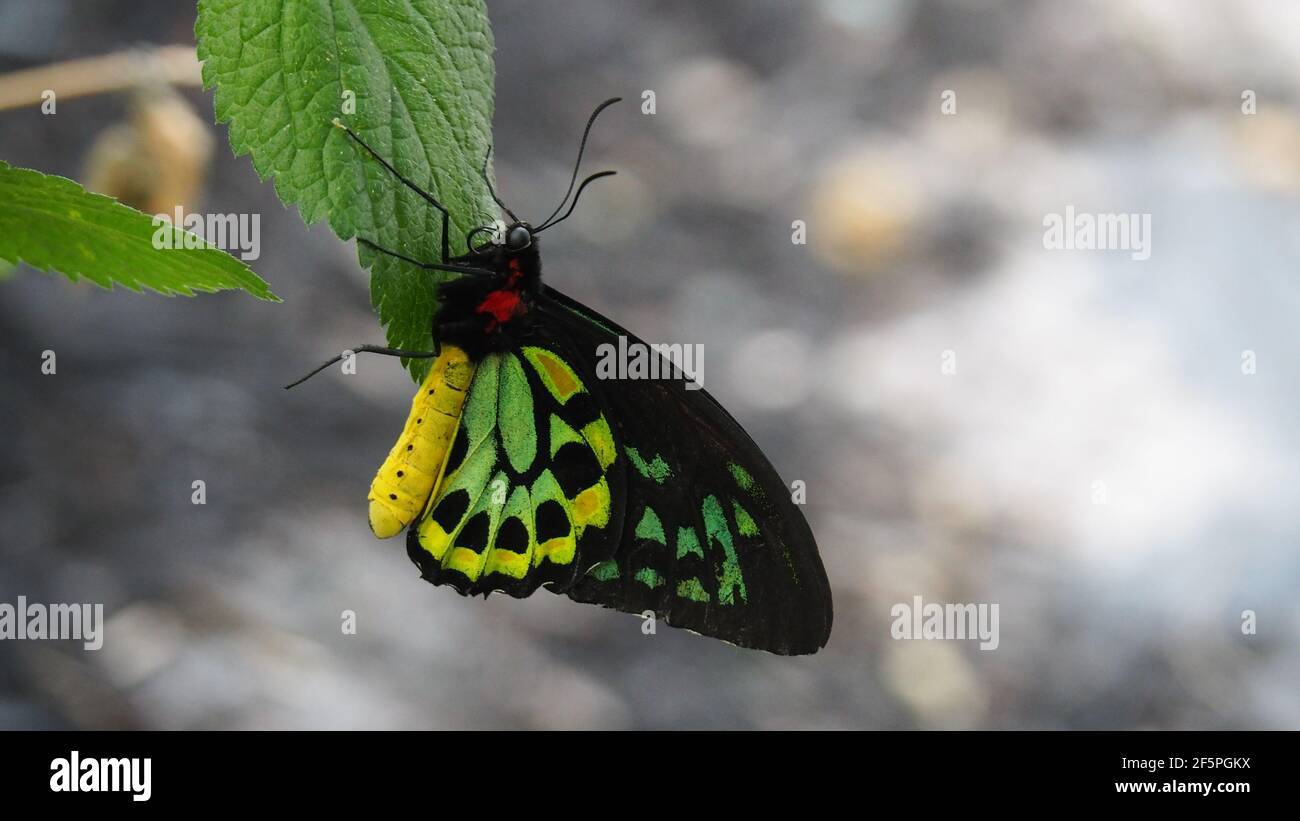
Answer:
[(711, 539), (533, 486)]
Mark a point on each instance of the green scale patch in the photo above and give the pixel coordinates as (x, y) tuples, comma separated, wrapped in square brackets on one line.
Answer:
[(650, 562)]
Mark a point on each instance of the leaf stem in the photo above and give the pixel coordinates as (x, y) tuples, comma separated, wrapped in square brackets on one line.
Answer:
[(121, 71)]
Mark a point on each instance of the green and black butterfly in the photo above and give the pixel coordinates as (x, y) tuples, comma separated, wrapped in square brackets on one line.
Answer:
[(519, 467)]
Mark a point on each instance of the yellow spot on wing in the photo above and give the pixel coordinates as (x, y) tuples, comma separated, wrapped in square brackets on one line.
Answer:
[(591, 507), (586, 503), (559, 550), (433, 538), (466, 561), (558, 377), (601, 440), (510, 564)]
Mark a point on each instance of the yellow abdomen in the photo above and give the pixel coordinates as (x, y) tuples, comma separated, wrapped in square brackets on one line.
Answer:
[(409, 476)]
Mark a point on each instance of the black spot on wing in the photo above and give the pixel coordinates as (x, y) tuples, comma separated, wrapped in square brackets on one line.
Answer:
[(449, 511), (581, 410), (459, 448), (575, 468), (475, 533), (512, 536), (551, 521)]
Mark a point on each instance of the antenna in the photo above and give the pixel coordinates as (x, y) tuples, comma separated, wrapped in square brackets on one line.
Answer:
[(581, 148), (574, 204)]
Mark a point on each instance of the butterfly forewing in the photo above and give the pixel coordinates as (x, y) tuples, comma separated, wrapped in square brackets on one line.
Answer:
[(711, 538)]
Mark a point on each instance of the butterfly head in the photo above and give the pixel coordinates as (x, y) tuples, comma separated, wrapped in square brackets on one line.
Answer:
[(502, 239), (520, 236)]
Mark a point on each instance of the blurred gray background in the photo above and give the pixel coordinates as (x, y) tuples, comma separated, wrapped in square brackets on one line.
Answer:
[(1098, 465)]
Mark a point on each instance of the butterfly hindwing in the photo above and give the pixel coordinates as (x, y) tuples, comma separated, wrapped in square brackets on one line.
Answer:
[(711, 538), (533, 488)]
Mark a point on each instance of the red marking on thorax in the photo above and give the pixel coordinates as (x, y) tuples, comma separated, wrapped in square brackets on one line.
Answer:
[(505, 304), (502, 306)]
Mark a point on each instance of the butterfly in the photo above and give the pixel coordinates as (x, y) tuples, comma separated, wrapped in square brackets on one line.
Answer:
[(519, 467)]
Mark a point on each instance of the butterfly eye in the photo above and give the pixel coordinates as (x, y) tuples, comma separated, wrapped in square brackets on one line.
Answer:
[(519, 238)]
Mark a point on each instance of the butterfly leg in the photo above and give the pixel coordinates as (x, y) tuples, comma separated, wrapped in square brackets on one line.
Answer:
[(379, 349), (429, 198), (430, 266), (433, 332)]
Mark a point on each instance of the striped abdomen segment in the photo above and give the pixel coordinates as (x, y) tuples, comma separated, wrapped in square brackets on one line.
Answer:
[(409, 475)]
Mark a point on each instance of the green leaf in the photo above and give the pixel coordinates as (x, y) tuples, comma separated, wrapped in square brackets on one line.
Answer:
[(421, 75), (52, 223)]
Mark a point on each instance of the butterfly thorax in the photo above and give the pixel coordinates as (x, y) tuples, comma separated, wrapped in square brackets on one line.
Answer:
[(482, 314)]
